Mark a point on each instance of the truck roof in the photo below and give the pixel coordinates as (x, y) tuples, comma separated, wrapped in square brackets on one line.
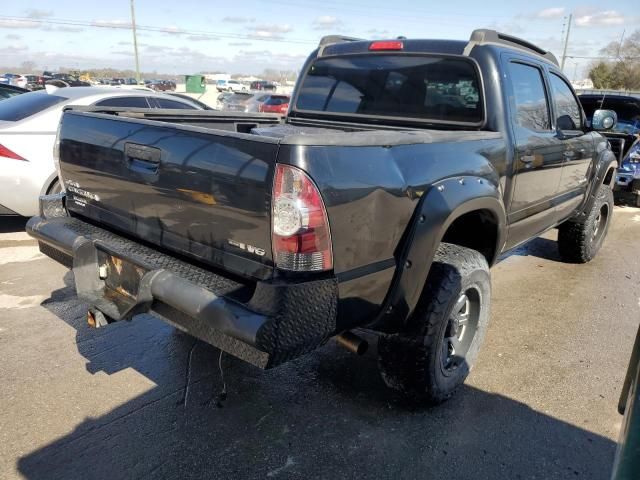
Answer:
[(341, 45)]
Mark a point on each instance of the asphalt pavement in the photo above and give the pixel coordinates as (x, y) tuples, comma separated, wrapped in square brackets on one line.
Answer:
[(142, 400)]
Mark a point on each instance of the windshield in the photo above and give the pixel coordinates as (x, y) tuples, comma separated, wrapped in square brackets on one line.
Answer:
[(430, 88), (22, 106)]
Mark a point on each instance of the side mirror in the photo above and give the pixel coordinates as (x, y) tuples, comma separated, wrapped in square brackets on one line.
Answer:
[(604, 120)]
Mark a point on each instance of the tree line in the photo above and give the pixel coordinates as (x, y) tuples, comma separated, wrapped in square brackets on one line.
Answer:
[(623, 71)]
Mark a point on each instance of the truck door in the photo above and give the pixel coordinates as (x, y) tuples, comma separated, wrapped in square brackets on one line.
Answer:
[(577, 146), (538, 155)]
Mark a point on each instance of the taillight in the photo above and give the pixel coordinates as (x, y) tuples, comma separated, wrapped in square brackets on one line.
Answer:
[(6, 153), (301, 238)]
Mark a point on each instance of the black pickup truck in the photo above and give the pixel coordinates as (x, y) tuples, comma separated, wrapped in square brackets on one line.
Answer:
[(402, 170)]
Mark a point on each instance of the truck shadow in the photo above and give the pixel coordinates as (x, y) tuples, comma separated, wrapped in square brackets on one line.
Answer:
[(12, 224), (325, 415)]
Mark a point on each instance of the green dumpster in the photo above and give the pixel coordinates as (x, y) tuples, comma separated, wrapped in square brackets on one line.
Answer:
[(195, 83)]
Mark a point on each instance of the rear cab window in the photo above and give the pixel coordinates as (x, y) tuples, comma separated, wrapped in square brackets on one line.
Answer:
[(22, 106), (406, 87)]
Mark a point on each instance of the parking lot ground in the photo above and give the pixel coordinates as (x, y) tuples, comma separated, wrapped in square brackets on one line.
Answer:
[(138, 399)]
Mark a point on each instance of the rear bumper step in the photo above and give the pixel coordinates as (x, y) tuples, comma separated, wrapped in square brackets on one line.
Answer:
[(262, 323)]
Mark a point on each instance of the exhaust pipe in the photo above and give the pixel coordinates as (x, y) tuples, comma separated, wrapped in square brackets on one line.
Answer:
[(97, 319), (352, 342)]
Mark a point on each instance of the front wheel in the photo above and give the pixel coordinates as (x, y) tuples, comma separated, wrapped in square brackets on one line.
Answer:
[(580, 240), (433, 357)]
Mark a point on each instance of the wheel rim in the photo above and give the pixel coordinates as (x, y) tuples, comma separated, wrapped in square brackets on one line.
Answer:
[(460, 330), (600, 223)]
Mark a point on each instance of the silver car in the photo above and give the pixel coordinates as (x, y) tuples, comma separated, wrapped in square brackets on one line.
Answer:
[(245, 102), (28, 125)]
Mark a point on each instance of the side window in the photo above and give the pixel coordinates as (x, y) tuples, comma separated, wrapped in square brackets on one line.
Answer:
[(132, 102), (568, 115), (532, 108), (165, 103)]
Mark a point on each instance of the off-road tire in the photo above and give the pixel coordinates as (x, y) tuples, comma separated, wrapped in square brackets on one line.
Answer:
[(411, 361), (580, 240)]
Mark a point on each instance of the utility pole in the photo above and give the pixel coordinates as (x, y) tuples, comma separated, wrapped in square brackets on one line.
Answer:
[(566, 42), (135, 42), (620, 44)]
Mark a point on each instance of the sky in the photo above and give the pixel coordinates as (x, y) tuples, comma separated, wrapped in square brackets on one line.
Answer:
[(247, 36)]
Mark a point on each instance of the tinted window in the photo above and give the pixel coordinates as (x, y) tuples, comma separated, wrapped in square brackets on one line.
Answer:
[(531, 107), (8, 93), (425, 88), (568, 115), (133, 102), (23, 106), (165, 103), (281, 100)]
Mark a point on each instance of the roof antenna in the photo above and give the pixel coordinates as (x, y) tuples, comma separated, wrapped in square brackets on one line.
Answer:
[(401, 37)]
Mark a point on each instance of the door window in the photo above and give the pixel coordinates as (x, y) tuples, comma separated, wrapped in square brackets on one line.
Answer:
[(568, 116), (531, 106)]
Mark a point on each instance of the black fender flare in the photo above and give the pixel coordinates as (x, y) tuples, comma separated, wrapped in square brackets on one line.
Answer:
[(605, 161), (439, 207)]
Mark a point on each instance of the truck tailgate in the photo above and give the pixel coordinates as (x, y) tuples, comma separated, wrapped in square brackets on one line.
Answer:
[(202, 193)]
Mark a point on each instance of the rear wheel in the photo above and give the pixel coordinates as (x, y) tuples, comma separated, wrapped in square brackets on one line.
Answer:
[(55, 187), (433, 357), (579, 241)]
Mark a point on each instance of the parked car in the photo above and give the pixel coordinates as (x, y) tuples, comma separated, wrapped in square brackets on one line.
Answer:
[(263, 85), (276, 104), (222, 99), (623, 137), (34, 82), (244, 102), (8, 91), (162, 85), (27, 169), (64, 80), (7, 79), (627, 108), (379, 202), (19, 81), (230, 86)]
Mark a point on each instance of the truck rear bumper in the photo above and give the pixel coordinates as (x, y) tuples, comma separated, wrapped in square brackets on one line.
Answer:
[(262, 323)]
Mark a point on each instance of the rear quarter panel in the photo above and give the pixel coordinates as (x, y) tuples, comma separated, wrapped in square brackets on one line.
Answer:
[(372, 195)]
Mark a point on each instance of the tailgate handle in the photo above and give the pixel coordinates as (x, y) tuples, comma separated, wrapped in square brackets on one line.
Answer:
[(142, 158)]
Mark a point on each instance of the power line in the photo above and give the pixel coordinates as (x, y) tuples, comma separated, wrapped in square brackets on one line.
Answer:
[(149, 28)]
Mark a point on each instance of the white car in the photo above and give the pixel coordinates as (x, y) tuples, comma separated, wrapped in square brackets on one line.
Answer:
[(28, 125), (230, 86), (19, 81)]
